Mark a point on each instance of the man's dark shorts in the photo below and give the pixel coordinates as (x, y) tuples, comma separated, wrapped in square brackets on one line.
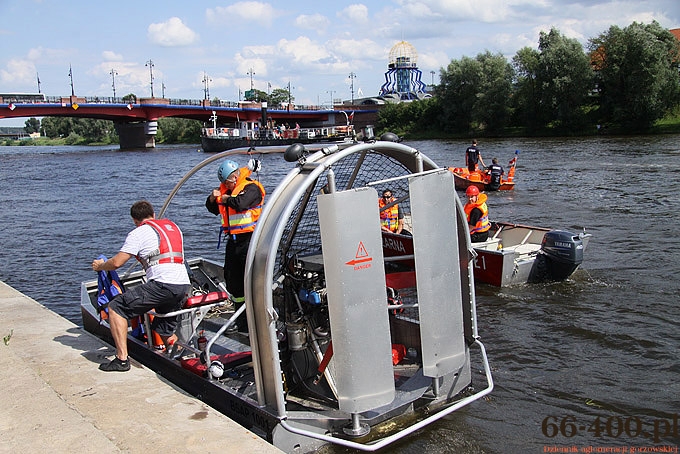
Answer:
[(160, 297)]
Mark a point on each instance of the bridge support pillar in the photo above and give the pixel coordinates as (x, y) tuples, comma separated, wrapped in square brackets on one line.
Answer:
[(140, 134)]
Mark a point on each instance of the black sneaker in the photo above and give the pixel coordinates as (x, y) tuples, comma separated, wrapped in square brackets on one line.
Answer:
[(116, 365)]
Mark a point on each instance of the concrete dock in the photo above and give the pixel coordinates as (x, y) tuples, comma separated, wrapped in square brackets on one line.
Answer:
[(55, 399)]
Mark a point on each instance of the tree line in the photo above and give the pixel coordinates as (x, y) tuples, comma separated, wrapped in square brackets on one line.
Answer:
[(83, 131), (626, 80)]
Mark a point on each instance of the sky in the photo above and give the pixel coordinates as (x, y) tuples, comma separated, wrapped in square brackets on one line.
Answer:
[(321, 50)]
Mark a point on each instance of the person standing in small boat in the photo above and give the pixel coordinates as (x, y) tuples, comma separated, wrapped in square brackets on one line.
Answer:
[(239, 201), (473, 156), (391, 219), (477, 214), (158, 244), (496, 173)]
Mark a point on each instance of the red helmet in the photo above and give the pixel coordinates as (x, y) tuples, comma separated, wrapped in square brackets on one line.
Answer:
[(472, 190)]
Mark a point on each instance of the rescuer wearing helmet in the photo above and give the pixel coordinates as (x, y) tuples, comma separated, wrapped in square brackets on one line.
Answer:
[(477, 215), (239, 201)]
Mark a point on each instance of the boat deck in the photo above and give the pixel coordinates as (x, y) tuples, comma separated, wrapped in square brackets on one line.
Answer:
[(495, 244)]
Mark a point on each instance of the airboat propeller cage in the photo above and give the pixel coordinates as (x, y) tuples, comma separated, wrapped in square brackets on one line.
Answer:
[(351, 245)]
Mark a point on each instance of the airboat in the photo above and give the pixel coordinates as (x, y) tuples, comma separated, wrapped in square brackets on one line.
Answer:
[(343, 348)]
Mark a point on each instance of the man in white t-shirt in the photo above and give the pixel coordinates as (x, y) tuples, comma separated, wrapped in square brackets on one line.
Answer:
[(159, 246)]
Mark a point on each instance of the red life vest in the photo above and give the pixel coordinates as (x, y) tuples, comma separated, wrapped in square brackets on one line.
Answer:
[(170, 243), (237, 222)]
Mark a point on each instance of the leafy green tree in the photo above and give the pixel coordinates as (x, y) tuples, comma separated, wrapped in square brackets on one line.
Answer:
[(458, 89), (178, 130), (32, 125), (130, 98), (491, 109), (637, 73), (526, 99), (257, 96), (280, 96), (475, 93), (80, 130), (57, 126), (93, 130), (565, 79), (406, 118)]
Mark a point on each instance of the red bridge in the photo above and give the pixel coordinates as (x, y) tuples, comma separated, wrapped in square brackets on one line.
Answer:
[(136, 122)]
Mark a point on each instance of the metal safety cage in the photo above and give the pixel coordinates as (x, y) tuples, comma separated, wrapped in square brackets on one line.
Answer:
[(323, 208)]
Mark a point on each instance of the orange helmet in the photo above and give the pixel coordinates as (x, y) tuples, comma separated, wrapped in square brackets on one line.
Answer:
[(472, 190)]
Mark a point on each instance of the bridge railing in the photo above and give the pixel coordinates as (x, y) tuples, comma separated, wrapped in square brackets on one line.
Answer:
[(171, 101)]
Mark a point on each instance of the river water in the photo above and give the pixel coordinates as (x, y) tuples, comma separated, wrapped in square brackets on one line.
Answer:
[(590, 363)]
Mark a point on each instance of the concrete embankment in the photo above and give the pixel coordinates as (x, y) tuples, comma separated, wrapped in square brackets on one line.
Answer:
[(55, 399)]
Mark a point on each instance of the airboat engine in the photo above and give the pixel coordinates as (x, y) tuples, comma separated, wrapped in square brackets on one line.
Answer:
[(561, 253)]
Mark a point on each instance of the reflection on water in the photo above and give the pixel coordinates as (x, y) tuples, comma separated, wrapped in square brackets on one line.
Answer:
[(602, 344)]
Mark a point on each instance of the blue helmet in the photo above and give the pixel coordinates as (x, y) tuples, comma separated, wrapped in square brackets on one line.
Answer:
[(226, 169)]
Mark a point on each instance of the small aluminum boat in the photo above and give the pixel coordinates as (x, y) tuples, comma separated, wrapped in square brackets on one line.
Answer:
[(513, 254)]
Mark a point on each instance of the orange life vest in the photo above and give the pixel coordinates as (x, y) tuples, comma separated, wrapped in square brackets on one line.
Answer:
[(483, 223), (389, 218), (170, 243), (237, 222)]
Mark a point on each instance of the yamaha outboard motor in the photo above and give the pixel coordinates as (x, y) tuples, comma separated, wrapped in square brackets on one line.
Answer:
[(561, 253)]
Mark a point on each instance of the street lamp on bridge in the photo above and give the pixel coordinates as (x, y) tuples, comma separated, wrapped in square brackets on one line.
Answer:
[(290, 95), (150, 65), (251, 74), (113, 73), (351, 77), (70, 76), (206, 87)]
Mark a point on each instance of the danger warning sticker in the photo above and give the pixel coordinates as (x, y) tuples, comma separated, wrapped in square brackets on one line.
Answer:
[(361, 259)]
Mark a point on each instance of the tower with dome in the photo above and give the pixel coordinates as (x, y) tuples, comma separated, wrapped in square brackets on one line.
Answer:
[(403, 78)]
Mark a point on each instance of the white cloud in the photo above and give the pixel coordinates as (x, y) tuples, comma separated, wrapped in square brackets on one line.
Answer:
[(353, 49), (171, 33), (244, 66), (317, 22), (257, 12), (17, 73), (356, 13), (303, 50), (110, 55), (258, 51), (432, 61)]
